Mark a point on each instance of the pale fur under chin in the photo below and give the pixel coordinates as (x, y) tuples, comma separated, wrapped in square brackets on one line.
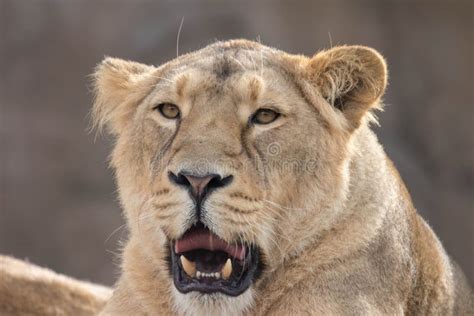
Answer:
[(217, 304)]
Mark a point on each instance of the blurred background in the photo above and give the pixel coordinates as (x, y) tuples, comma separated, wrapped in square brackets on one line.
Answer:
[(58, 203)]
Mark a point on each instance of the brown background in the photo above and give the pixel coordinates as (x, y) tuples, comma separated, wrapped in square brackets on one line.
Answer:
[(58, 201)]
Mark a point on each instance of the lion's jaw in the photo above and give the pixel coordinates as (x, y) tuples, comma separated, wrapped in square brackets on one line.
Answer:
[(288, 185)]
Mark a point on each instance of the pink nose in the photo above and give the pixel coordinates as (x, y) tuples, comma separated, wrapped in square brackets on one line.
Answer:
[(199, 186)]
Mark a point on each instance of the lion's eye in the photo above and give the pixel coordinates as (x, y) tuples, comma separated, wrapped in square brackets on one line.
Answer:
[(264, 116), (168, 110)]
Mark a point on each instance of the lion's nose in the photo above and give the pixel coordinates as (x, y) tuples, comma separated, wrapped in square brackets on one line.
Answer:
[(199, 186)]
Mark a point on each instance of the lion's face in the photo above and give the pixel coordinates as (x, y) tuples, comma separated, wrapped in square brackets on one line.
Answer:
[(229, 160)]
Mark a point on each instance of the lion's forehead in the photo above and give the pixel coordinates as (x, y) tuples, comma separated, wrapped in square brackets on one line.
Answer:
[(239, 75), (225, 60)]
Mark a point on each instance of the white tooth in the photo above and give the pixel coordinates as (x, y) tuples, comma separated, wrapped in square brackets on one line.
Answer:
[(188, 266), (217, 275), (198, 274), (227, 269)]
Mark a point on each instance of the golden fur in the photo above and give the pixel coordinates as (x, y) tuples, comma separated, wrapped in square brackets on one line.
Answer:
[(29, 290), (341, 237), (314, 190)]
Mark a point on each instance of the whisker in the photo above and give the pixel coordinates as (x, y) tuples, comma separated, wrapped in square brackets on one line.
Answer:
[(284, 207), (259, 227), (164, 206), (238, 62), (261, 57), (178, 36), (330, 38), (114, 231)]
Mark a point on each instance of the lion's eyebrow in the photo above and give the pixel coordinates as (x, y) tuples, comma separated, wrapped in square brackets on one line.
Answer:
[(255, 88), (180, 84)]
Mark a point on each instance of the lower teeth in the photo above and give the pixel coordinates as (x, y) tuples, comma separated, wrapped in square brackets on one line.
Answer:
[(189, 268), (215, 275)]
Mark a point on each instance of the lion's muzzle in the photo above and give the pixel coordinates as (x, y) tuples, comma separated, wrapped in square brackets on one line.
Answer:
[(202, 261)]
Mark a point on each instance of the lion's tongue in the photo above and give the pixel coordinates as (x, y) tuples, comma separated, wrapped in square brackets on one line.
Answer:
[(202, 238)]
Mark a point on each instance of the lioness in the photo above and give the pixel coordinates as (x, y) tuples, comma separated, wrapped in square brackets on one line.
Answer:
[(253, 185)]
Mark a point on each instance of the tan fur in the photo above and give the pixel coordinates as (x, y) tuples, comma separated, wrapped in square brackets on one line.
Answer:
[(314, 190), (26, 289), (341, 237)]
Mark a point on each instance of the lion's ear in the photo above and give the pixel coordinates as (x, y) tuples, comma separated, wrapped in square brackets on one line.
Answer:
[(350, 78), (119, 85)]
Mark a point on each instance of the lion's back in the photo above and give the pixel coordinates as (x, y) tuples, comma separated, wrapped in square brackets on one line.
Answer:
[(26, 289)]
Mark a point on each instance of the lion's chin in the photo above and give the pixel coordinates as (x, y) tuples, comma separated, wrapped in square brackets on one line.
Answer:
[(216, 304), (203, 262)]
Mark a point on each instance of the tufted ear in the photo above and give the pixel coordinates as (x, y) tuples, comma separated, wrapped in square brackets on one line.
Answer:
[(350, 78), (119, 86)]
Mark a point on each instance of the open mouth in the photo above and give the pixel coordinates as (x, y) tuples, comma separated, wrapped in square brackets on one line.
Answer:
[(201, 261)]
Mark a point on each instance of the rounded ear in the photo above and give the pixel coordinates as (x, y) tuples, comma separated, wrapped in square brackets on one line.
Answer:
[(119, 85), (350, 78)]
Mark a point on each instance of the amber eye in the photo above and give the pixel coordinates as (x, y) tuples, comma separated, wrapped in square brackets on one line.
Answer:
[(264, 116), (168, 110)]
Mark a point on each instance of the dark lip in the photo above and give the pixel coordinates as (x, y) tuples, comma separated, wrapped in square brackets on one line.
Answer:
[(231, 287)]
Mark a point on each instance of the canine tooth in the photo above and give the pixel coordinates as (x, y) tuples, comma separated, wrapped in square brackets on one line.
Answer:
[(217, 275), (198, 274), (227, 269), (188, 266)]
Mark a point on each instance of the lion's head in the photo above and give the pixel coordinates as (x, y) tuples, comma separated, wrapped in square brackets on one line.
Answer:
[(230, 160)]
